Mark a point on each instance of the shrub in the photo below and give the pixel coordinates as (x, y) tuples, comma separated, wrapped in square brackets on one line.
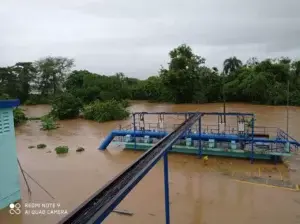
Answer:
[(48, 122), (19, 116), (4, 96), (125, 103), (65, 106), (62, 149), (105, 111)]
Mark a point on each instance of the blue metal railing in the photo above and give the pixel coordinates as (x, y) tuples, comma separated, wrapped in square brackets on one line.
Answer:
[(205, 128), (284, 136)]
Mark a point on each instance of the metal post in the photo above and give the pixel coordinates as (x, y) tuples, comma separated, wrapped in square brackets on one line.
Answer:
[(287, 107), (199, 129), (166, 180), (218, 124), (252, 136), (224, 100), (134, 131)]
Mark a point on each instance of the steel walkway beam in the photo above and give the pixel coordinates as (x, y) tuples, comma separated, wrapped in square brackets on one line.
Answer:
[(102, 203)]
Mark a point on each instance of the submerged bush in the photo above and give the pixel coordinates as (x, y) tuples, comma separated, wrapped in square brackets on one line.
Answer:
[(48, 122), (19, 116), (65, 106), (105, 111), (62, 149)]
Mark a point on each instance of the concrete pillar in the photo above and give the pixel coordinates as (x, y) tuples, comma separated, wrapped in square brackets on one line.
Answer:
[(9, 170)]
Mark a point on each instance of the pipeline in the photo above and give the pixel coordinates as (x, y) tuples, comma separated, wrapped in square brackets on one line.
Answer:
[(204, 137)]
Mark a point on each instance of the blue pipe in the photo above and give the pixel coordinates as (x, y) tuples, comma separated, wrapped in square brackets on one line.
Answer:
[(161, 134), (107, 141), (166, 180)]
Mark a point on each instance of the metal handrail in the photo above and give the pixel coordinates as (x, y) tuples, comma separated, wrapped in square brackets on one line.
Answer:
[(205, 127)]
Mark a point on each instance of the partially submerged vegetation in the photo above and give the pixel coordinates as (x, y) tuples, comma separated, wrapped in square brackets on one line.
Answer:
[(36, 99), (62, 149), (105, 111), (48, 122), (19, 116), (65, 106), (58, 150)]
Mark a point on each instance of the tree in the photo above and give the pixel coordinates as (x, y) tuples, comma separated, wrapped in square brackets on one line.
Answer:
[(65, 106), (9, 84), (26, 74), (231, 65), (52, 72), (186, 79), (183, 73), (153, 88), (215, 70), (296, 68), (253, 61)]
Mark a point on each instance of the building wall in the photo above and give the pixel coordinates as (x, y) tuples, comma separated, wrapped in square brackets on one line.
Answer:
[(9, 170)]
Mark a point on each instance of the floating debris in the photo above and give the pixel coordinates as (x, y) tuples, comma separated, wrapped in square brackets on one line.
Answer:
[(31, 146), (123, 212), (41, 146), (80, 149)]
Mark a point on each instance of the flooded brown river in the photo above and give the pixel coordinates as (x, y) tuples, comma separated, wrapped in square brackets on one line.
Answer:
[(198, 194)]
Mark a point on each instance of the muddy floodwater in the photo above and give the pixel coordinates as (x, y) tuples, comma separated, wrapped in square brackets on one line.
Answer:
[(198, 194)]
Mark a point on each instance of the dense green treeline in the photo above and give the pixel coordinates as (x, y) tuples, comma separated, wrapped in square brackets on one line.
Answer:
[(186, 79)]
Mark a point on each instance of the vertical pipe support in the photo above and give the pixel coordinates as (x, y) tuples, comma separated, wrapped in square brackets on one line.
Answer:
[(134, 131), (287, 107), (199, 130), (166, 183), (252, 136), (275, 160), (218, 124), (237, 124)]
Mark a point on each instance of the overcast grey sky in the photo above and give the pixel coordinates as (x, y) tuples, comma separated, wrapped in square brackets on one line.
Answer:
[(135, 36)]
